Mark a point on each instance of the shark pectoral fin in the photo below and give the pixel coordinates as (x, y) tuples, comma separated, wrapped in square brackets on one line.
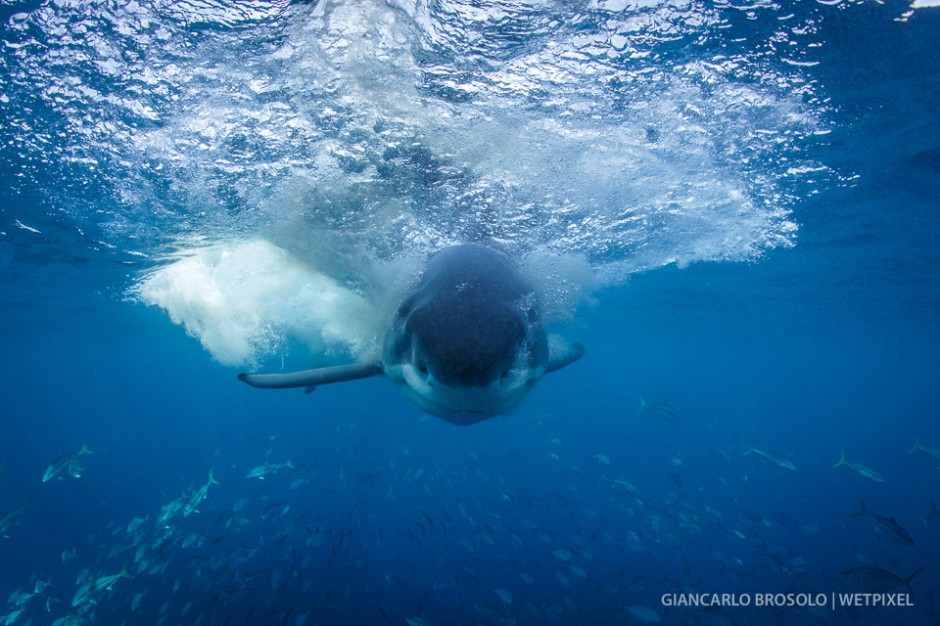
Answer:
[(561, 353), (312, 378)]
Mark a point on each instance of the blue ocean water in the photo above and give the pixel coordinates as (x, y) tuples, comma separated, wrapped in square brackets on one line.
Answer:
[(734, 207)]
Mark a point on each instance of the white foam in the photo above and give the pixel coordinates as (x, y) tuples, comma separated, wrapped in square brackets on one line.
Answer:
[(363, 172), (246, 300), (351, 135)]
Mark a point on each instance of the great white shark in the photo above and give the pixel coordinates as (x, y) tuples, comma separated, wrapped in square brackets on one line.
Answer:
[(467, 342)]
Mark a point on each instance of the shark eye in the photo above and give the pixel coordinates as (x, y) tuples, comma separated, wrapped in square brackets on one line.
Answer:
[(423, 368)]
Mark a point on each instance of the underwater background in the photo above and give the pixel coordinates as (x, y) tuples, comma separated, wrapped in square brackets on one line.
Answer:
[(735, 207)]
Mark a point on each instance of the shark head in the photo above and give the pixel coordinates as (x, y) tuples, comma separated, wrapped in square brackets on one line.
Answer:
[(467, 343)]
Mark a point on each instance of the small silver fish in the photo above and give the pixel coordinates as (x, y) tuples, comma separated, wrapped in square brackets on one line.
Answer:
[(269, 468), (198, 496), (662, 409), (773, 457), (877, 580), (70, 462), (858, 468), (886, 525), (933, 453)]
